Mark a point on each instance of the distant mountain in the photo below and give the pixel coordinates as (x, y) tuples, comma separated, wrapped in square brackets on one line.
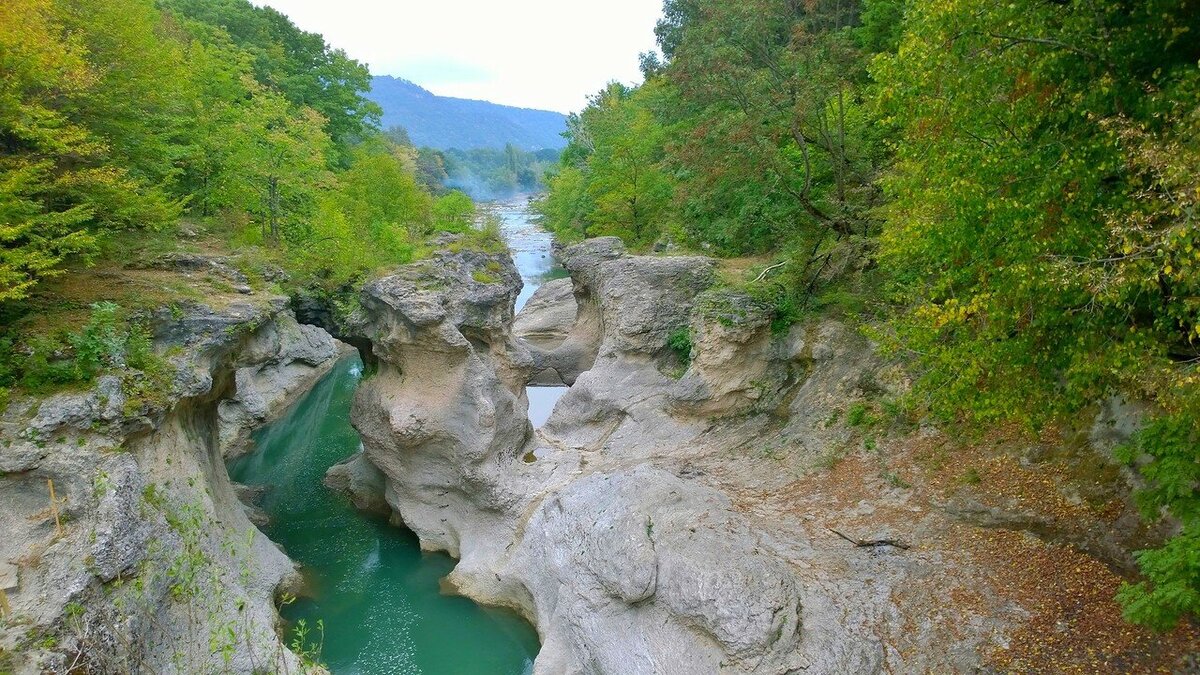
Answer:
[(442, 122)]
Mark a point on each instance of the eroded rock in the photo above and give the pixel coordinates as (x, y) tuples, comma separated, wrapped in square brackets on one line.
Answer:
[(623, 566), (130, 544)]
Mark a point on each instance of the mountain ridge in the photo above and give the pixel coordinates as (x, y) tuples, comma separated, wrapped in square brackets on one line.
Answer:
[(445, 122)]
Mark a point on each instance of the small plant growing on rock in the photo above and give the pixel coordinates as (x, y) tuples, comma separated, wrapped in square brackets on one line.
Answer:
[(484, 277), (680, 342), (307, 648)]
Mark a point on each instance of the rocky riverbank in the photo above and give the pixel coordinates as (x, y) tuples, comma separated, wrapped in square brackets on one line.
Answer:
[(146, 560), (724, 508), (712, 494)]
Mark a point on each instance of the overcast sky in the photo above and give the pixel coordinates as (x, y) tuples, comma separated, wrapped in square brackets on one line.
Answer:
[(548, 54)]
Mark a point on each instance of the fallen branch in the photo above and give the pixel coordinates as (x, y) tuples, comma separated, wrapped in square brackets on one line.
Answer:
[(869, 543), (763, 274)]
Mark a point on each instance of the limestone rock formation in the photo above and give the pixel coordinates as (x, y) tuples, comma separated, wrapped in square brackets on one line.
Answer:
[(678, 513), (623, 566), (360, 480), (547, 318), (279, 363), (544, 324), (151, 553)]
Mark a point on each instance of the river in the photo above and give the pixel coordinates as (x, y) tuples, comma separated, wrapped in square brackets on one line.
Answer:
[(370, 584)]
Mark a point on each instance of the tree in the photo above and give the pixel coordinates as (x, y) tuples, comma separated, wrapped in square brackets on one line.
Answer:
[(611, 180), (431, 170), (453, 212), (300, 65), (60, 190), (380, 192), (281, 165), (781, 83), (625, 181), (1042, 235)]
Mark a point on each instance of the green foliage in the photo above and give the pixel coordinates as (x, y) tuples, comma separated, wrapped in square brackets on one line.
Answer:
[(63, 179), (752, 135), (299, 65), (307, 646), (783, 84), (108, 342), (115, 115), (1040, 229), (612, 181), (484, 277), (1170, 591), (856, 415), (1166, 450), (100, 344), (453, 212), (680, 342), (486, 238), (494, 173), (373, 217)]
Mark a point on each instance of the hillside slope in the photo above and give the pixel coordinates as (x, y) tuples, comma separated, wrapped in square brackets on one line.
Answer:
[(442, 122)]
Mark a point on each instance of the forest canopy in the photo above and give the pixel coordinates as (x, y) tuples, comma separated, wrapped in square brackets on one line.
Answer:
[(129, 114)]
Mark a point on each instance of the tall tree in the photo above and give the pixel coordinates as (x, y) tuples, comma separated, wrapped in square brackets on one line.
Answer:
[(299, 64), (281, 163)]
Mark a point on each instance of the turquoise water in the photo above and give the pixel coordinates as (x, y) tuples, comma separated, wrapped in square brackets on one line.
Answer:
[(376, 592)]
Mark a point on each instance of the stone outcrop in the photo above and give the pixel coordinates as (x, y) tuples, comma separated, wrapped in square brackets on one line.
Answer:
[(679, 511), (547, 319), (445, 413), (360, 480), (153, 563), (544, 323), (622, 560), (280, 362)]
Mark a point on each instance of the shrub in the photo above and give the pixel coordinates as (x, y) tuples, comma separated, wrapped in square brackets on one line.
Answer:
[(680, 342)]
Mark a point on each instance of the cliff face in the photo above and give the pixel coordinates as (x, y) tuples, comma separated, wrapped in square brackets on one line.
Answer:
[(153, 565)]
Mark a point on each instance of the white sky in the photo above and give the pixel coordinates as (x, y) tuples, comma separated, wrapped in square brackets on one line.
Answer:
[(548, 54)]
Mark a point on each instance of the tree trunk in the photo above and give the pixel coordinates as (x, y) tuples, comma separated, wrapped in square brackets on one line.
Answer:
[(273, 207)]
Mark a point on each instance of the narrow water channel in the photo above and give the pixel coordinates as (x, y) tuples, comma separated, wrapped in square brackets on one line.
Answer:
[(369, 583), (530, 246)]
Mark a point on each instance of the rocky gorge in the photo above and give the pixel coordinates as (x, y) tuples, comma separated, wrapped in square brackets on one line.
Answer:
[(698, 510), (720, 507)]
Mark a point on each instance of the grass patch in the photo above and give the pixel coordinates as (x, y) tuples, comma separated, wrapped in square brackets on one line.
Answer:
[(856, 415)]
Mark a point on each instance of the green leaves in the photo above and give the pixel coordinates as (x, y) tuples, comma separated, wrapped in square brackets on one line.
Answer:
[(62, 179), (1041, 233), (612, 181), (1172, 587), (453, 212)]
